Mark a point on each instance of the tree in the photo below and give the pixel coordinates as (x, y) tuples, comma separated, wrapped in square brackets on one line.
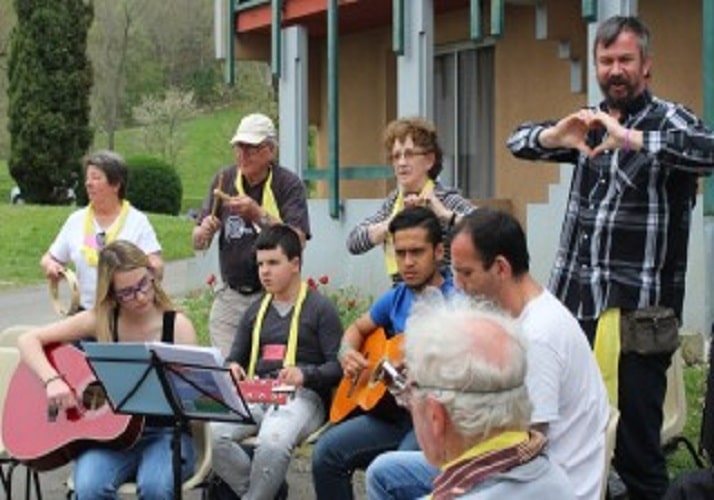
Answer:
[(50, 80), (110, 39), (161, 118), (7, 21)]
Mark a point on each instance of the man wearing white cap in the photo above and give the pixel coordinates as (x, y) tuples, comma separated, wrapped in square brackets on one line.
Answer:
[(244, 198)]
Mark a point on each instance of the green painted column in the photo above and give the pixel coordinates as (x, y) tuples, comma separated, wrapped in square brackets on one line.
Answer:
[(498, 13), (276, 11), (231, 44), (475, 28), (333, 105), (708, 88), (589, 10), (398, 27)]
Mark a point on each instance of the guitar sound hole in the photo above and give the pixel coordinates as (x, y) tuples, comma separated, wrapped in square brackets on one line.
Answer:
[(94, 396)]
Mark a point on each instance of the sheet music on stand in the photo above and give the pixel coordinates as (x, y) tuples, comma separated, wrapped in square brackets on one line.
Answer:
[(199, 384), (178, 381)]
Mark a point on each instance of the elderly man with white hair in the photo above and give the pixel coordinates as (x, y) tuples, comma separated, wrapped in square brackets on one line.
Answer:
[(244, 198), (466, 390)]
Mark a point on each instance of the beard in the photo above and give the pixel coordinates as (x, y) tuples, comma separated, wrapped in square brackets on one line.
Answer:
[(619, 99)]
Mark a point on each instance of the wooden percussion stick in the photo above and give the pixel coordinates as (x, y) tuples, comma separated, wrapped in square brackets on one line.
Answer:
[(216, 195)]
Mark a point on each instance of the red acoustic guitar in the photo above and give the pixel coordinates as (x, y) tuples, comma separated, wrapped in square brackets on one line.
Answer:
[(33, 436), (368, 388)]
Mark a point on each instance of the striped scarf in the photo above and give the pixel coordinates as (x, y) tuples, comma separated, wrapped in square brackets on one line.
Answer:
[(497, 454)]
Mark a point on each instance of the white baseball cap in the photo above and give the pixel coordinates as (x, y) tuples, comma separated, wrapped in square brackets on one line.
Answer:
[(254, 129)]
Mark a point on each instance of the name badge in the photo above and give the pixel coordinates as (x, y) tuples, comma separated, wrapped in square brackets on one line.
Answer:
[(272, 352)]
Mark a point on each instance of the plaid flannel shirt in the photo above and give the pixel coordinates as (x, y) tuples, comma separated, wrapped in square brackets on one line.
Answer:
[(626, 228)]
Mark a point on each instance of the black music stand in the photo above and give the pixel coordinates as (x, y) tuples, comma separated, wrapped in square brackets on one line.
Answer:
[(181, 382)]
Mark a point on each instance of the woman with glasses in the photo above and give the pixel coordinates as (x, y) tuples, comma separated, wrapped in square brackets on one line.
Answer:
[(107, 217), (130, 306), (413, 149)]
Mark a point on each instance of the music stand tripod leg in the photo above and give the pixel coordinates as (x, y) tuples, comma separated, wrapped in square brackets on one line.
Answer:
[(176, 458)]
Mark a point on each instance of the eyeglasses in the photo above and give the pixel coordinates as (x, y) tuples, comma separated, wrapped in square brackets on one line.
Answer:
[(407, 154), (131, 292), (248, 149), (404, 388)]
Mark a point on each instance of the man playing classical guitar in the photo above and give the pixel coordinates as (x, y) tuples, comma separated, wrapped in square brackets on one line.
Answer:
[(489, 256), (354, 443), (292, 335)]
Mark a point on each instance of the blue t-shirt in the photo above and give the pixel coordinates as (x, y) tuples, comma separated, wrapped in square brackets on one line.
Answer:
[(392, 309)]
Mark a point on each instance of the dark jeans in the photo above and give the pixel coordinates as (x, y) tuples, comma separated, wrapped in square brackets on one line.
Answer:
[(353, 444), (639, 459)]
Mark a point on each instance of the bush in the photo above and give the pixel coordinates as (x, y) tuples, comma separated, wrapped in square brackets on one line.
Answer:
[(154, 185)]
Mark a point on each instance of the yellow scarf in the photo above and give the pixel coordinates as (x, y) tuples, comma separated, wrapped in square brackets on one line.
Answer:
[(390, 260), (291, 351), (268, 202), (497, 442), (90, 246), (607, 351)]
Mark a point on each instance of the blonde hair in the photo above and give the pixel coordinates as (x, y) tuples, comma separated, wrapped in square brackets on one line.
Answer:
[(116, 257)]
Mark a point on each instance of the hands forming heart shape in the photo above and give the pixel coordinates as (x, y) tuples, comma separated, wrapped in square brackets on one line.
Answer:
[(571, 132)]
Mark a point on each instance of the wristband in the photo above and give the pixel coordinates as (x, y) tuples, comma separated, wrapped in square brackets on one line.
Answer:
[(626, 149), (344, 347), (52, 379)]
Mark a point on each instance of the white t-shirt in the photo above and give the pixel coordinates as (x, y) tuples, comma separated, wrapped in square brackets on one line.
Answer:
[(567, 392), (67, 246)]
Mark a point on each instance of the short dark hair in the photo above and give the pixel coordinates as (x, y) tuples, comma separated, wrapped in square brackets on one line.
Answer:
[(412, 217), (280, 236), (494, 233), (113, 166), (610, 29)]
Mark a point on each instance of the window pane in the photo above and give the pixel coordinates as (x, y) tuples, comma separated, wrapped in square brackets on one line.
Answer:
[(444, 116), (463, 114), (475, 119)]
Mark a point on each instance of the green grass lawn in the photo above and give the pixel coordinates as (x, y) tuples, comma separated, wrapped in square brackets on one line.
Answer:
[(205, 148), (28, 230)]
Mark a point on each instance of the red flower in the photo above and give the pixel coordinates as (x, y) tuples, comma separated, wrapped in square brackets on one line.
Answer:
[(324, 279), (211, 280), (311, 283)]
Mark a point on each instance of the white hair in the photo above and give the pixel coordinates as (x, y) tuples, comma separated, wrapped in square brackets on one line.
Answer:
[(476, 370)]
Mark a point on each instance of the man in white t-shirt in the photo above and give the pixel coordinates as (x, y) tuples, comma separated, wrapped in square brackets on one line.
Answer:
[(489, 257)]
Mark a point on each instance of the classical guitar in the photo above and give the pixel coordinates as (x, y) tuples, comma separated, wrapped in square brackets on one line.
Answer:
[(368, 387), (43, 439)]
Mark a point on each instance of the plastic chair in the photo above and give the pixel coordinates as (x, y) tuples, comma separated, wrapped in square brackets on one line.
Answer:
[(202, 440), (9, 359), (675, 410), (9, 336), (610, 440)]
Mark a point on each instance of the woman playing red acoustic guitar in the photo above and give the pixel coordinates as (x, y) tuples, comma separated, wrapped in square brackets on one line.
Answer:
[(130, 307)]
